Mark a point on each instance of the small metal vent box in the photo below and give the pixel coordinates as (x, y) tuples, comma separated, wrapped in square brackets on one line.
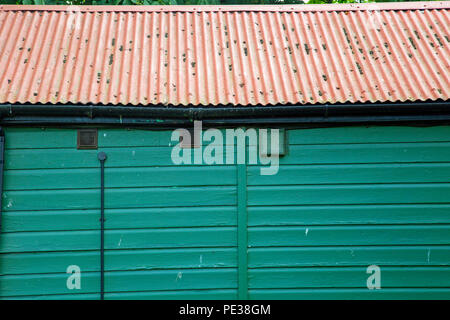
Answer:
[(87, 139)]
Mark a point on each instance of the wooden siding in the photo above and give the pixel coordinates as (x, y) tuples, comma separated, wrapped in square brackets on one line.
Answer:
[(170, 230), (343, 199), (347, 198)]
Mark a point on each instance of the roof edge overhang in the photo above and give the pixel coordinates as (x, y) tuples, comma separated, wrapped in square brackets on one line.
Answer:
[(159, 116), (420, 5)]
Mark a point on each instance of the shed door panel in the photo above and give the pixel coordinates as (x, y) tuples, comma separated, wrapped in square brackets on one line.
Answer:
[(348, 198), (50, 215), (170, 230)]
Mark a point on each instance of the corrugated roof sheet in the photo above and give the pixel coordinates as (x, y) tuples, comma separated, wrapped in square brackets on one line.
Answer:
[(239, 55)]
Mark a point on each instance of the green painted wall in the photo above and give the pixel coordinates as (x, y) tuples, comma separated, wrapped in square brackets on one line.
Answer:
[(344, 199)]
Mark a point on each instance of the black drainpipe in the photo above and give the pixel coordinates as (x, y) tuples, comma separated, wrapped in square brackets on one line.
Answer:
[(2, 157), (102, 157)]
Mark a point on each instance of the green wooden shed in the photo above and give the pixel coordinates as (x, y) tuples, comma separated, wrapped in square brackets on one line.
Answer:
[(94, 206)]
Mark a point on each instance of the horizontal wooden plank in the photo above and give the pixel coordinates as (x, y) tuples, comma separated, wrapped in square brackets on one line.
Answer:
[(354, 173), (36, 138), (118, 260), (348, 235), (50, 158), (145, 138), (119, 177), (57, 138), (351, 294), (27, 138), (59, 220), (261, 294), (41, 284), (372, 134), (205, 294), (74, 296), (49, 262), (348, 214), (298, 154), (172, 279), (121, 281), (118, 239), (348, 277), (118, 198), (367, 153), (349, 194), (208, 294), (73, 158), (349, 256), (134, 137)]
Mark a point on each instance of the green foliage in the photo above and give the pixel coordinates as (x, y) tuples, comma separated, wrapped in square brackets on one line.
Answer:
[(339, 1), (113, 2)]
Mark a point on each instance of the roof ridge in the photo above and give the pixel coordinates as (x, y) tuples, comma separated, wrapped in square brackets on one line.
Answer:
[(419, 5)]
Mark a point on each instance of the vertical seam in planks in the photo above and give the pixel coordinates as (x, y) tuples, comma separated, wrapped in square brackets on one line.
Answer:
[(242, 231), (2, 161), (102, 158)]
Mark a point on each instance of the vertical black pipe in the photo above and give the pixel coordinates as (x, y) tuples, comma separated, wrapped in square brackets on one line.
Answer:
[(2, 153), (102, 157)]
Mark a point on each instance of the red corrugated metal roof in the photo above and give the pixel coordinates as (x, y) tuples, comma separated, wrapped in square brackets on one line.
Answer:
[(237, 55)]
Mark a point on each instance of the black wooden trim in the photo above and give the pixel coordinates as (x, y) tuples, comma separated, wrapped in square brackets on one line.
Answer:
[(157, 116)]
